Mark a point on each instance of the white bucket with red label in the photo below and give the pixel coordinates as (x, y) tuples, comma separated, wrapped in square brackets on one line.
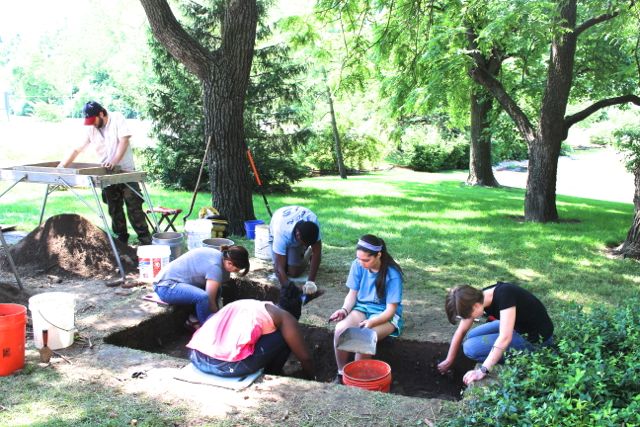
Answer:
[(151, 259)]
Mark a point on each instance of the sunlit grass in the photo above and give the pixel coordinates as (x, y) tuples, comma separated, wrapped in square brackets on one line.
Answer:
[(441, 231)]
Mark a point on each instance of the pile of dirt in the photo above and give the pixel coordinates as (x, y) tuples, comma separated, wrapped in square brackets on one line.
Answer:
[(10, 294), (69, 243)]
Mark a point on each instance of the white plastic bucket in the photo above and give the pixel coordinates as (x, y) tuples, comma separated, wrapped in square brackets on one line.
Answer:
[(54, 312), (151, 259), (262, 245), (197, 230)]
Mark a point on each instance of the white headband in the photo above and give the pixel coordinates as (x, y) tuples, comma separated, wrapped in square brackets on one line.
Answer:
[(369, 246)]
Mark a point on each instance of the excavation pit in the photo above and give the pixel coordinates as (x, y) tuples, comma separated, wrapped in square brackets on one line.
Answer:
[(413, 363)]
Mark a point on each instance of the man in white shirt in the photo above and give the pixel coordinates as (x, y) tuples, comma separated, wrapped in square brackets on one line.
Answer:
[(294, 230), (109, 136)]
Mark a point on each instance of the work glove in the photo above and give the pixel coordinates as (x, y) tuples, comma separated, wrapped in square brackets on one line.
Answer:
[(310, 288)]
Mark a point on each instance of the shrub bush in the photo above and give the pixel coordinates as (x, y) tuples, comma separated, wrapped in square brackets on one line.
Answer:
[(440, 156), (591, 377)]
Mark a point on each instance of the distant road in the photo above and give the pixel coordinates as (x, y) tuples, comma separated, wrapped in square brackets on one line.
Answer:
[(594, 174)]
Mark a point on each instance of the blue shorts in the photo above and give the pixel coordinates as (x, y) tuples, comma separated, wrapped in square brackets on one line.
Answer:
[(372, 310)]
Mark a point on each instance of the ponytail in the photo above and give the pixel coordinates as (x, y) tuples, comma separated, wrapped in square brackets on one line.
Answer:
[(238, 256)]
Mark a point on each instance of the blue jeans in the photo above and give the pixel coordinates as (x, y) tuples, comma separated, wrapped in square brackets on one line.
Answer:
[(184, 293), (271, 352), (480, 340)]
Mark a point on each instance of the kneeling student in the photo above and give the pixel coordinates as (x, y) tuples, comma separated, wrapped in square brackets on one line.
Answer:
[(522, 324), (247, 335)]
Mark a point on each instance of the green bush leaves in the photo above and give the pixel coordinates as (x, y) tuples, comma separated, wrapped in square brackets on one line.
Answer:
[(590, 377)]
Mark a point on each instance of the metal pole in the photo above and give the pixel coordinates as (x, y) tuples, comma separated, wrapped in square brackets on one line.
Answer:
[(44, 204), (107, 230), (147, 200), (13, 266)]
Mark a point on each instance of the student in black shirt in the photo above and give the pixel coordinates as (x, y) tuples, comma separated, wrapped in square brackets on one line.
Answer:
[(522, 323)]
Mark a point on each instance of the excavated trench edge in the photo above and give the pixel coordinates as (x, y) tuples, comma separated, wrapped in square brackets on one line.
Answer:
[(413, 363)]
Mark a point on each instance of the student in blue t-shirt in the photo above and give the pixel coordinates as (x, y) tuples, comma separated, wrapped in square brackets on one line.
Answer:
[(375, 296)]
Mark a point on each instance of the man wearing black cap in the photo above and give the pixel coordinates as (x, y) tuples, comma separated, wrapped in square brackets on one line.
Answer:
[(292, 231), (109, 136)]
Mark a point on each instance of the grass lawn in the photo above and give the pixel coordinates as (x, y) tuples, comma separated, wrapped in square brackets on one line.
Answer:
[(441, 232)]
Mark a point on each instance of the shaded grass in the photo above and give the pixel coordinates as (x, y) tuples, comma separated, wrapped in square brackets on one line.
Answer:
[(441, 232), (40, 396)]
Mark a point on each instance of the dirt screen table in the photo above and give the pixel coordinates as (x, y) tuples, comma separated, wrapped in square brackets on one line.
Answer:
[(78, 175)]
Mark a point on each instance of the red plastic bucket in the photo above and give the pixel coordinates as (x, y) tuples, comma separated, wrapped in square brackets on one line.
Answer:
[(13, 321), (368, 374)]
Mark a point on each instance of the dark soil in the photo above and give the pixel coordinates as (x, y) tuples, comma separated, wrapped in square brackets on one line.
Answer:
[(413, 363), (236, 289), (70, 244), (11, 294)]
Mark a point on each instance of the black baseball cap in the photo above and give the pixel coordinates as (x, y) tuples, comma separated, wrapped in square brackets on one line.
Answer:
[(91, 111)]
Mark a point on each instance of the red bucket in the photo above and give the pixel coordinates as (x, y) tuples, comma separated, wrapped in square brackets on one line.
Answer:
[(13, 321), (368, 374)]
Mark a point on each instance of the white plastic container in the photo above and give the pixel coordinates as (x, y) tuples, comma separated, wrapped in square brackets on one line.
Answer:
[(261, 243), (151, 259), (197, 230), (54, 312)]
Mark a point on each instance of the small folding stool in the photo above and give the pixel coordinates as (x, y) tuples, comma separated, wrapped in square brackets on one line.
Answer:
[(167, 214)]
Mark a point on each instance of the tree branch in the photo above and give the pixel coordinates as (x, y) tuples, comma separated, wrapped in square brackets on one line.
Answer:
[(594, 21), (484, 78), (168, 31), (581, 115)]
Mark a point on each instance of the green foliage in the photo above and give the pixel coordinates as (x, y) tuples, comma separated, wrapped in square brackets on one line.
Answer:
[(627, 139), (440, 156), (77, 56), (360, 151), (271, 120), (591, 377), (48, 112)]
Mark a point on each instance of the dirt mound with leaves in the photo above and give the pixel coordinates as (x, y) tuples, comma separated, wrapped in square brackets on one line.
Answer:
[(71, 244)]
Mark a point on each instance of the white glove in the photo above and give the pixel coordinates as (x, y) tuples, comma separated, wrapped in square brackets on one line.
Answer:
[(310, 288)]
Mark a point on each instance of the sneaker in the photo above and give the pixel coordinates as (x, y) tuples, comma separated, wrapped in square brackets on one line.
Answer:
[(337, 379)]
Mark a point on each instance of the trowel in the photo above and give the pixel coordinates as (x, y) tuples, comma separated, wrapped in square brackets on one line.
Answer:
[(358, 340), (45, 352)]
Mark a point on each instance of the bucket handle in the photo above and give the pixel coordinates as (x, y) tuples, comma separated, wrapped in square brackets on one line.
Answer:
[(74, 329)]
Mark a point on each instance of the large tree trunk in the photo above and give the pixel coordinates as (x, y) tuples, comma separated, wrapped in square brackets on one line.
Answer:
[(224, 73), (540, 198), (631, 246), (544, 149), (231, 187), (480, 170), (480, 164)]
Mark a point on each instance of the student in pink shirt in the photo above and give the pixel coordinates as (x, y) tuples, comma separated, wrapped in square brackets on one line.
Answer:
[(248, 335)]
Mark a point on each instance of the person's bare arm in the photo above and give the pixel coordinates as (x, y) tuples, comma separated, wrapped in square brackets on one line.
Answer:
[(505, 335), (456, 342), (123, 144), (72, 155), (288, 326), (280, 267), (347, 306), (316, 257), (212, 287), (384, 317)]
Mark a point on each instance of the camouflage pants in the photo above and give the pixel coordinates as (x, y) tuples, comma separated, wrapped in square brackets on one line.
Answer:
[(117, 195)]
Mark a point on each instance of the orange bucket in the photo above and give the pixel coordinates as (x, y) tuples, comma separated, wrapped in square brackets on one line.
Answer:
[(13, 321), (368, 374)]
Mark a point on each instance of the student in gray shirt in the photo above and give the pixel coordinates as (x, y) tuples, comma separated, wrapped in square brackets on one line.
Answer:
[(197, 276)]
